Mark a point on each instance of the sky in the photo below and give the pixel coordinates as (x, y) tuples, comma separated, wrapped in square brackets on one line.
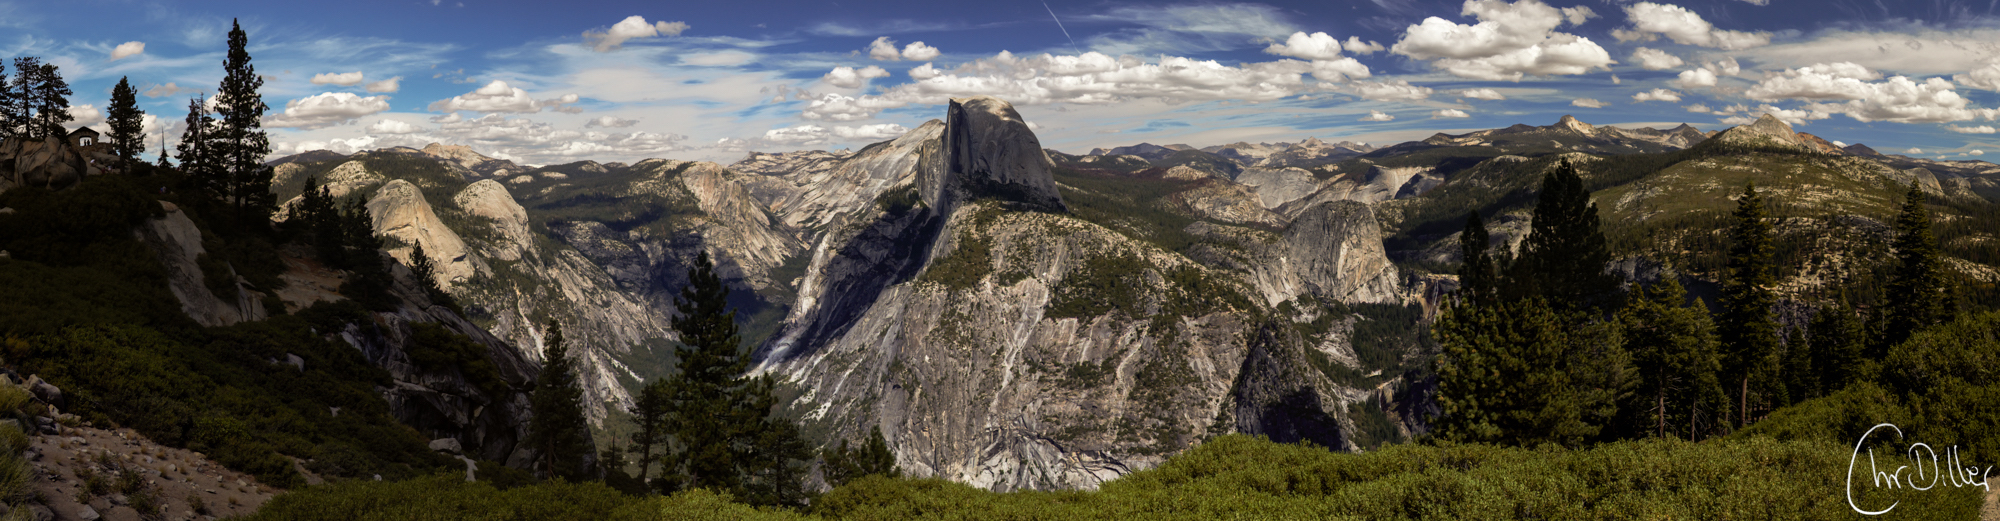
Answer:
[(540, 83)]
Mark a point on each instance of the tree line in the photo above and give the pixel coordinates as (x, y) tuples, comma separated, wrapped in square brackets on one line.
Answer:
[(34, 105), (1547, 346)]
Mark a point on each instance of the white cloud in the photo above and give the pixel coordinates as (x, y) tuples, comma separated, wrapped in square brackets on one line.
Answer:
[(1356, 46), (496, 96), (1657, 95), (884, 49), (1795, 117), (393, 126), (632, 27), (1315, 46), (1985, 77), (1339, 70), (610, 122), (1914, 150), (1976, 152), (388, 85), (1650, 20), (1485, 94), (127, 50), (836, 107), (325, 110), (1656, 60), (1693, 78), (1510, 40), (541, 143), (84, 116), (815, 135), (925, 72), (1898, 99), (1699, 108), (1376, 115), (917, 51), (345, 79), (1095, 78), (1588, 103), (1398, 90), (1982, 129), (1449, 113), (849, 78)]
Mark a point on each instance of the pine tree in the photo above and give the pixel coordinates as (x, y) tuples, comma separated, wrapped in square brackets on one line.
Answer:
[(198, 154), (1918, 295), (1476, 278), (1565, 257), (1504, 375), (1672, 342), (9, 124), (1837, 340), (720, 419), (51, 98), (1747, 329), (847, 464), (649, 413), (426, 274), (128, 123), (241, 143), (557, 428)]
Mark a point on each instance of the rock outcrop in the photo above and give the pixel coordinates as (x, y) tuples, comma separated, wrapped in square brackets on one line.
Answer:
[(488, 199), (49, 163), (177, 242), (403, 216), (988, 152), (1333, 251)]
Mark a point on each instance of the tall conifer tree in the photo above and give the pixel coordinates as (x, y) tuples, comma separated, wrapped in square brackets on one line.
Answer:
[(1748, 331), (128, 123), (557, 428), (197, 152), (1673, 346), (649, 414), (1918, 295), (1476, 277), (51, 96), (241, 143), (1565, 256)]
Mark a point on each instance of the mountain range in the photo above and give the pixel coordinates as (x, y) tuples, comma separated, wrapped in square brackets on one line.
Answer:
[(1019, 318)]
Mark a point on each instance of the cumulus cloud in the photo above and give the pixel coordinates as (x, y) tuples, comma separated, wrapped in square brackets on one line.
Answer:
[(1986, 77), (1588, 103), (1356, 46), (388, 85), (1657, 95), (1398, 90), (884, 49), (84, 116), (1655, 60), (610, 122), (836, 107), (1795, 117), (1485, 94), (632, 27), (493, 97), (1914, 150), (917, 51), (1315, 46), (1694, 78), (1090, 78), (1376, 115), (1698, 108), (1849, 88), (1982, 129), (1651, 20), (1339, 70), (345, 79), (392, 126), (127, 50), (1449, 113), (1976, 152), (849, 78), (530, 141), (326, 110), (1510, 40)]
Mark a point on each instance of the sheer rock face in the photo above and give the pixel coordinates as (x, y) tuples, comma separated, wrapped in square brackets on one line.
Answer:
[(822, 186), (1333, 251), (988, 152), (489, 200), (177, 242), (402, 214)]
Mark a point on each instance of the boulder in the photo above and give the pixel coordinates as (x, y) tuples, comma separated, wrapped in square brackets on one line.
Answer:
[(447, 445), (46, 392)]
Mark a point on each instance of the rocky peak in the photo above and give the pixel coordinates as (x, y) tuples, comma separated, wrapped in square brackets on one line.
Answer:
[(988, 152), (462, 154), (1570, 123), (1766, 131)]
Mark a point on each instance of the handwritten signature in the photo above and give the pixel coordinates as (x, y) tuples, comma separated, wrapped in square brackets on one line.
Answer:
[(1943, 468)]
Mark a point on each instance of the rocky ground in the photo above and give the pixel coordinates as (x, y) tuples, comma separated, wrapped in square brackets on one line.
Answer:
[(133, 476)]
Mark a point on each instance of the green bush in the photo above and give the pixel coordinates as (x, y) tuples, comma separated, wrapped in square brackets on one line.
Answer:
[(442, 497)]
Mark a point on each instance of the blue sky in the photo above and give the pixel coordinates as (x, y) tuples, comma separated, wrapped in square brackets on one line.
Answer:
[(548, 83)]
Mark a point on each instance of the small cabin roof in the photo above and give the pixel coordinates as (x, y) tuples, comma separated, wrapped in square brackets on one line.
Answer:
[(82, 131)]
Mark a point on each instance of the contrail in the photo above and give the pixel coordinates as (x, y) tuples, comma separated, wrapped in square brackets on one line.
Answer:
[(1059, 25)]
